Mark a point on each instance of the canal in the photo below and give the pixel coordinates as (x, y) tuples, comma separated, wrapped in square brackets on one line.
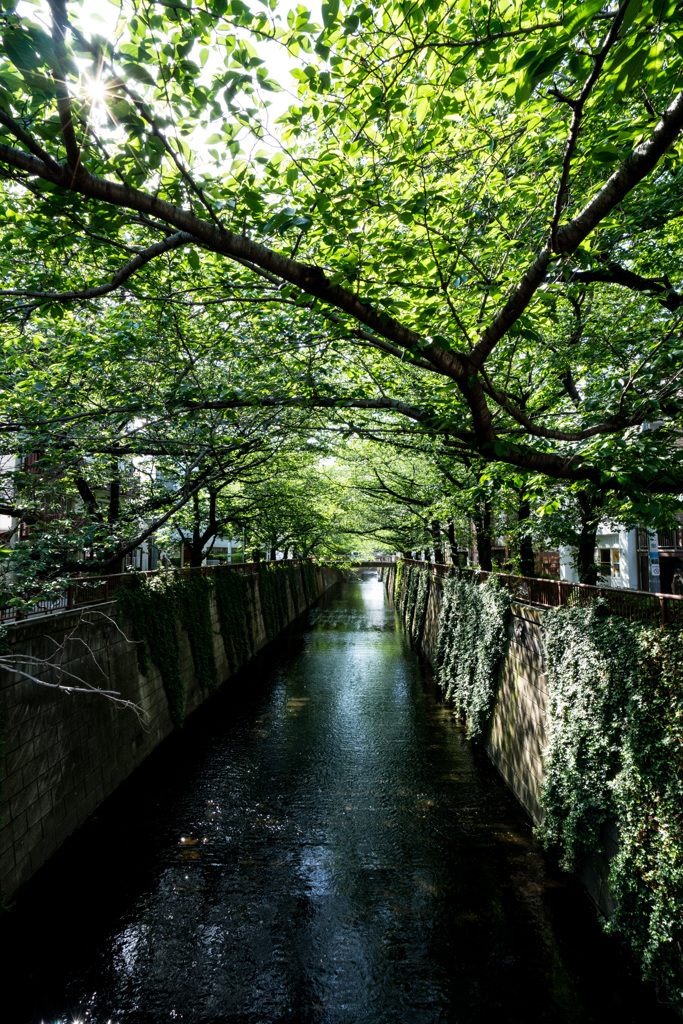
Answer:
[(321, 845)]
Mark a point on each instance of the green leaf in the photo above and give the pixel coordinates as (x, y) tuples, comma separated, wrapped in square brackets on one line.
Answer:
[(605, 153), (629, 72), (139, 73), (330, 10), (582, 14), (422, 110)]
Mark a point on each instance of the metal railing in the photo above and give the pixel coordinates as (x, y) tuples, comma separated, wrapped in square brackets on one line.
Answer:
[(89, 590), (635, 605)]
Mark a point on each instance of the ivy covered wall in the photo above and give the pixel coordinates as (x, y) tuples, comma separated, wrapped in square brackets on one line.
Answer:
[(593, 704), (225, 616)]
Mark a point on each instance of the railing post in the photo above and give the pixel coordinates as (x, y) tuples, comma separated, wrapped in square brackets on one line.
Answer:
[(70, 596), (664, 610)]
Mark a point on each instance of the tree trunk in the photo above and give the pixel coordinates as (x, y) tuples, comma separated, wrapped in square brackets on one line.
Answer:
[(436, 537), (527, 564), (196, 552), (585, 558), (483, 521), (452, 543), (591, 514)]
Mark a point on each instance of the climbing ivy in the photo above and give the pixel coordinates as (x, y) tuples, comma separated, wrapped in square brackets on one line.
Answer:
[(615, 755), (149, 603), (615, 743), (400, 566), (152, 603), (192, 595), (234, 616), (412, 605), (471, 642), (274, 587), (421, 600), (310, 580), (409, 600)]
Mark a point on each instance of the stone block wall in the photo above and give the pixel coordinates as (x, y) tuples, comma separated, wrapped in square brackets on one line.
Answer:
[(65, 753)]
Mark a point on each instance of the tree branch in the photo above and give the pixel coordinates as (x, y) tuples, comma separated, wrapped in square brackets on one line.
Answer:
[(614, 273), (636, 167), (577, 117), (127, 270)]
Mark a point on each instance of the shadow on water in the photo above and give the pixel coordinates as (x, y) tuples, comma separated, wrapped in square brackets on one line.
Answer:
[(320, 844)]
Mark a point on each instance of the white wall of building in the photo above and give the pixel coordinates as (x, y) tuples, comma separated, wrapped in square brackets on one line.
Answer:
[(622, 547)]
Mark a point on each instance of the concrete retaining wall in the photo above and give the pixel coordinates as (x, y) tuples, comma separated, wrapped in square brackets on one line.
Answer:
[(516, 736), (65, 753)]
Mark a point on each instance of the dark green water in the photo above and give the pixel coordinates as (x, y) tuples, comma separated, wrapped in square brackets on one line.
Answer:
[(320, 845)]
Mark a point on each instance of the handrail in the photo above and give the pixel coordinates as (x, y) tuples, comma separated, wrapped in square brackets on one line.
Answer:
[(84, 591), (635, 605)]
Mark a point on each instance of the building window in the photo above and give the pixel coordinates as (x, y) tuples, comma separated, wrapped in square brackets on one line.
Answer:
[(609, 562)]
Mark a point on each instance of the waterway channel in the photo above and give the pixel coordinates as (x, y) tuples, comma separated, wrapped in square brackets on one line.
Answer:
[(319, 845)]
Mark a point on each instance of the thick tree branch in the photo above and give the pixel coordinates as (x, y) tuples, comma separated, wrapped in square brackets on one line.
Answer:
[(578, 106), (309, 279), (127, 270), (636, 167), (64, 107), (614, 273)]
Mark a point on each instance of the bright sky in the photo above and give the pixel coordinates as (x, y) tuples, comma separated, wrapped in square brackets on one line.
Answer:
[(102, 19)]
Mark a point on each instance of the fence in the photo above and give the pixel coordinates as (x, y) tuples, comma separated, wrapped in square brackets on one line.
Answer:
[(636, 605), (89, 590)]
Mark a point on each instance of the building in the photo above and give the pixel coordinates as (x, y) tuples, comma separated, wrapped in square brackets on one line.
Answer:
[(637, 559)]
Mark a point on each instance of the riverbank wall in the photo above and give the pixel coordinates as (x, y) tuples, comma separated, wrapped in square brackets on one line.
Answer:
[(516, 735), (65, 753)]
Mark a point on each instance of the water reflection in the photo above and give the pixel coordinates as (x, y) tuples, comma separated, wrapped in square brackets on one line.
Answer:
[(329, 851)]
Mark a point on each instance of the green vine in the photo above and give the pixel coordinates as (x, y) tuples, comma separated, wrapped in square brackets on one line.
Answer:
[(471, 643), (234, 616), (310, 580), (153, 604), (192, 594), (615, 743), (274, 583), (421, 600), (615, 755), (409, 601), (149, 603), (400, 568)]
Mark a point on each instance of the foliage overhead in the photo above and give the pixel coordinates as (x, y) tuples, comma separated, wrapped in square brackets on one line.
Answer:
[(482, 200)]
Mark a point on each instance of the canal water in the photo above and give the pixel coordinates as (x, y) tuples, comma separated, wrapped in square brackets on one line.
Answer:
[(319, 845)]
